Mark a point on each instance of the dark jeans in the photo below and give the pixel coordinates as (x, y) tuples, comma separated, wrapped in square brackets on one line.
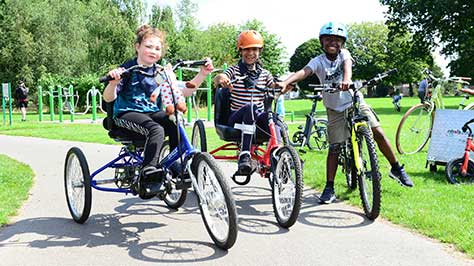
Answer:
[(154, 126), (244, 115), (421, 95)]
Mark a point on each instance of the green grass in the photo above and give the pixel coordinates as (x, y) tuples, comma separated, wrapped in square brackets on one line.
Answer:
[(16, 180), (433, 207)]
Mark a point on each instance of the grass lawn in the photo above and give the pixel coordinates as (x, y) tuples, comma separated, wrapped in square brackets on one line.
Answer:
[(433, 207), (16, 180)]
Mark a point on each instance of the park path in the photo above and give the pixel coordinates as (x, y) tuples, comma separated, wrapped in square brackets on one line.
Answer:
[(125, 230)]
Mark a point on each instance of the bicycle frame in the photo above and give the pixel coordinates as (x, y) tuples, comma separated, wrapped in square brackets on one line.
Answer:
[(356, 120), (133, 158), (258, 153)]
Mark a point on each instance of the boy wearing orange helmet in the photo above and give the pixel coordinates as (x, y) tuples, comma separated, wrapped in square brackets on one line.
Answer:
[(246, 100), (335, 66)]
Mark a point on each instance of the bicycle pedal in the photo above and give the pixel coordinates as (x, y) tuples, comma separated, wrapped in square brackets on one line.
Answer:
[(183, 183)]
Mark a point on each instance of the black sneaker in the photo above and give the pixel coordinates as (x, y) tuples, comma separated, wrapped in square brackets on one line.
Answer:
[(245, 164), (401, 176), (150, 182), (328, 196)]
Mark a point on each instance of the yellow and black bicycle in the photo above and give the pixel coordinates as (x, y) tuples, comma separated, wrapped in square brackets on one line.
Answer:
[(358, 156)]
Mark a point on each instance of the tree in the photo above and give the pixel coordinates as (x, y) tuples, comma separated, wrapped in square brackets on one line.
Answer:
[(303, 54), (373, 52), (434, 21)]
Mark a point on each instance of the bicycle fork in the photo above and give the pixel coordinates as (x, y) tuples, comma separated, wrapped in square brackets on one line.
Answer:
[(355, 147)]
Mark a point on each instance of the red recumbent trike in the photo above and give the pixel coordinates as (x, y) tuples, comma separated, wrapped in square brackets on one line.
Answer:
[(279, 162)]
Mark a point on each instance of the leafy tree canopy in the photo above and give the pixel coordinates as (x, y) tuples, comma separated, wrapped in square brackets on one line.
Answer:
[(432, 21)]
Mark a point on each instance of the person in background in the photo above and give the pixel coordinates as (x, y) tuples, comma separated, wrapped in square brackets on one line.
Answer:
[(21, 98), (423, 89)]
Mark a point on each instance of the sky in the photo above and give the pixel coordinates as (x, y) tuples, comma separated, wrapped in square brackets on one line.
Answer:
[(294, 21)]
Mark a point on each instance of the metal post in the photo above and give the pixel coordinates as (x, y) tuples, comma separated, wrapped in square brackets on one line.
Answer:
[(51, 103), (4, 108), (10, 103), (94, 104), (60, 103), (209, 96), (71, 102), (40, 103)]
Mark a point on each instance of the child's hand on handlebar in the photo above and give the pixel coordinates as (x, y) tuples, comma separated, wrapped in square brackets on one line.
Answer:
[(344, 85), (116, 75), (224, 82), (208, 67)]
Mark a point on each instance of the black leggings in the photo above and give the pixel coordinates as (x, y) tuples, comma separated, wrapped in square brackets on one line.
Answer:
[(154, 126)]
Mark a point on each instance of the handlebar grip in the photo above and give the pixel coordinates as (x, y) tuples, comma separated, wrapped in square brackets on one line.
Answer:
[(105, 79), (391, 71), (194, 63)]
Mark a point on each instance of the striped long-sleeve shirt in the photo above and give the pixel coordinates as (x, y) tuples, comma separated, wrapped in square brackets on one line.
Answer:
[(240, 95)]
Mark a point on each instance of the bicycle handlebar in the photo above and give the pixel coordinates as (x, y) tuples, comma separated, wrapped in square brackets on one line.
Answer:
[(356, 85), (462, 80), (140, 69), (466, 126)]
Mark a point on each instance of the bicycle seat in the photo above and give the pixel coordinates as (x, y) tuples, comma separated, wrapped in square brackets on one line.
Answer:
[(119, 134), (221, 118), (317, 97)]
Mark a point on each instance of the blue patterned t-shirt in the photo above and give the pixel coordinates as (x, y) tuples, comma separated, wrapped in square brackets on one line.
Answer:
[(133, 93)]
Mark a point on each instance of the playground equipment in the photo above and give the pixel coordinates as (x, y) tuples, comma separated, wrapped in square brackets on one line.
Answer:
[(6, 98), (191, 101), (67, 100)]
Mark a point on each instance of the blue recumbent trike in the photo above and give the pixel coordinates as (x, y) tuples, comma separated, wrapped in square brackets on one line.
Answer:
[(200, 171)]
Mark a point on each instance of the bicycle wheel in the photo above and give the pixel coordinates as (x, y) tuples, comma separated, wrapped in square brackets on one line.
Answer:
[(453, 171), (198, 139), (215, 201), (469, 107), (174, 198), (287, 186), (348, 167), (77, 184), (368, 175), (318, 139), (297, 139), (414, 129)]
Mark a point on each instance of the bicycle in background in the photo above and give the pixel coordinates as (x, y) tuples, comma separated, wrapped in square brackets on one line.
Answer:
[(461, 170), (414, 129), (314, 133)]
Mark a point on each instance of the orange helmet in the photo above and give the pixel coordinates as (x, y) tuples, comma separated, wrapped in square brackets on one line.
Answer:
[(248, 39)]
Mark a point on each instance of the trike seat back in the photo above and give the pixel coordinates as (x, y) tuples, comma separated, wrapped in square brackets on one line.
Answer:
[(119, 134), (221, 118)]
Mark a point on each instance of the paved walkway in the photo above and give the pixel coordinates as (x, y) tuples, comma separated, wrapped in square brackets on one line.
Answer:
[(124, 230)]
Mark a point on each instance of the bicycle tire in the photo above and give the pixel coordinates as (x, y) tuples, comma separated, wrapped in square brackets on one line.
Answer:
[(469, 107), (348, 168), (211, 182), (453, 171), (318, 138), (198, 138), (414, 129), (368, 176), (283, 131), (287, 186), (77, 184), (174, 198)]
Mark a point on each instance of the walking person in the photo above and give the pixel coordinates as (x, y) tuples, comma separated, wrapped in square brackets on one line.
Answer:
[(21, 98)]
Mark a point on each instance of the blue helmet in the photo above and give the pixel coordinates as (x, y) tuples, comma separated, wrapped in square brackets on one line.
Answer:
[(333, 28)]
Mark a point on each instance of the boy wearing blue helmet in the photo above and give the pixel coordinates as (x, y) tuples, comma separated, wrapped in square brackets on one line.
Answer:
[(335, 66)]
